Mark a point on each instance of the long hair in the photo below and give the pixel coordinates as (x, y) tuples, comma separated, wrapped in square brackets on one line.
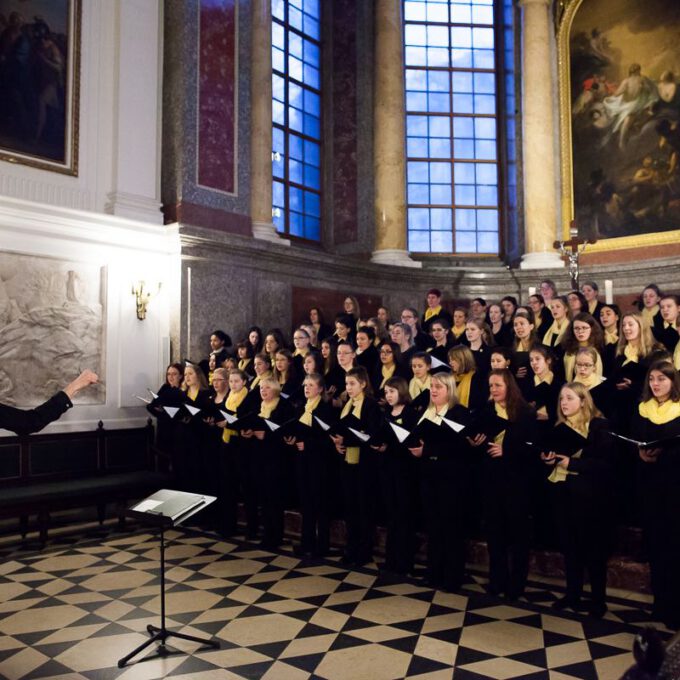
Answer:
[(401, 385), (290, 373), (646, 342), (570, 343), (257, 347), (396, 351), (465, 358), (487, 335), (515, 404), (667, 368), (524, 313), (361, 374), (588, 409)]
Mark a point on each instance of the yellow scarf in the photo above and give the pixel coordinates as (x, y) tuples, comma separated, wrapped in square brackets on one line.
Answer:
[(416, 387), (611, 337), (593, 380), (306, 417), (649, 314), (234, 400), (192, 393), (258, 379), (387, 373), (210, 377), (659, 414), (668, 324), (282, 378), (559, 474), (432, 311), (631, 354), (538, 320), (266, 408), (676, 357), (592, 305), (555, 332), (547, 379), (431, 413), (464, 383), (301, 353), (523, 345), (457, 332), (501, 412), (242, 363), (354, 405)]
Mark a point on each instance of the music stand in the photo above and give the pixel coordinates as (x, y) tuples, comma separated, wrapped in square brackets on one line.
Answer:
[(163, 509)]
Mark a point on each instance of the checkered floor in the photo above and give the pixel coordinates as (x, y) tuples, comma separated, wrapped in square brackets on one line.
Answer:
[(70, 611)]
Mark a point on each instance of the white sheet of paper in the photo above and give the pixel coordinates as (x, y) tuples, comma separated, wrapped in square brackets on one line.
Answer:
[(147, 505), (401, 432), (324, 426), (271, 425), (359, 435), (146, 401), (228, 417), (171, 410), (192, 409), (283, 395), (456, 427), (437, 363), (152, 393)]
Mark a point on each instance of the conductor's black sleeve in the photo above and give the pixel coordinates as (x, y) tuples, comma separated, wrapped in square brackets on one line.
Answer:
[(25, 422)]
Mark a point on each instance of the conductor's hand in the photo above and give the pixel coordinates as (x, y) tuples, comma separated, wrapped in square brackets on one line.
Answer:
[(85, 379)]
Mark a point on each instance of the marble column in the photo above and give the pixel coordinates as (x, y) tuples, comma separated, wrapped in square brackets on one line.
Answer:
[(261, 123), (538, 103), (389, 138)]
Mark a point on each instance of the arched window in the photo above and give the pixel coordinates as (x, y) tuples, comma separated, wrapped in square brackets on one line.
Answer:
[(451, 52), (296, 118)]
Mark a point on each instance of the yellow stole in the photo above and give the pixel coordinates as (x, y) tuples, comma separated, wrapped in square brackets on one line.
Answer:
[(192, 393), (501, 412), (559, 474), (659, 414), (234, 400), (432, 311), (538, 320), (631, 353), (387, 373), (676, 357), (242, 363), (591, 306), (457, 332), (301, 353), (258, 379), (306, 417), (210, 377), (555, 332), (431, 413), (547, 379), (611, 337), (523, 345), (593, 380), (416, 387), (354, 405), (649, 314), (267, 408), (463, 384)]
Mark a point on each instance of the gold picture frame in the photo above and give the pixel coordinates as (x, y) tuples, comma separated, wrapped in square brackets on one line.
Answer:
[(574, 186), (40, 84)]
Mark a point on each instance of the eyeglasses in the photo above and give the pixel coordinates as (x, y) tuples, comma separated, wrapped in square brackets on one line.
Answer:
[(585, 365), (386, 351)]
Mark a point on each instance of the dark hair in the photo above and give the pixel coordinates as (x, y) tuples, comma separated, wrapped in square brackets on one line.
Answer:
[(545, 353), (505, 352), (263, 356), (368, 331), (179, 367), (427, 358), (361, 374), (226, 340), (277, 334), (244, 344), (524, 313), (592, 284), (319, 313), (511, 299), (551, 284), (401, 385), (539, 297), (666, 367), (260, 338), (396, 351), (317, 378), (515, 404), (444, 323), (670, 296), (434, 291), (613, 306), (318, 362), (291, 364), (481, 301), (581, 298), (569, 342), (345, 319)]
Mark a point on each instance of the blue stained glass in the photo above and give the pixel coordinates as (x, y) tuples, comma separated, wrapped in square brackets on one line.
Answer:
[(465, 219), (440, 219), (487, 195), (416, 147), (437, 36), (440, 194), (437, 12), (482, 15), (418, 193), (487, 242), (416, 101), (295, 94), (440, 126), (486, 173), (485, 150), (487, 220), (279, 223), (419, 241), (277, 139), (485, 83), (440, 173), (460, 14), (279, 9), (442, 241), (462, 103), (312, 102), (311, 77), (464, 148), (278, 113), (418, 218), (440, 148), (296, 3), (311, 126), (417, 171), (461, 37), (311, 55), (294, 119), (312, 7), (463, 127), (312, 228), (416, 79), (311, 27), (438, 103), (465, 194), (295, 18), (295, 147), (437, 56), (485, 128), (414, 11), (483, 59), (296, 226), (278, 60), (295, 68), (438, 81), (278, 88), (278, 194), (464, 173), (461, 58), (466, 242), (485, 103), (482, 37), (295, 197), (312, 204), (278, 35), (312, 177), (462, 81), (416, 126), (294, 171), (312, 153), (415, 34), (295, 44), (415, 56)]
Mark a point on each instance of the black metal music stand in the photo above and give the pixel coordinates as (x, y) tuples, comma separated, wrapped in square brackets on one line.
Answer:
[(167, 508)]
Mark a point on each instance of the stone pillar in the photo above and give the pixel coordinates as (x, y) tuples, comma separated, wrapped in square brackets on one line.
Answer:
[(538, 101), (261, 123), (389, 138)]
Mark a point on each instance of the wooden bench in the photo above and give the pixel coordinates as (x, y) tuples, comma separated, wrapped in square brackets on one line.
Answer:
[(40, 474)]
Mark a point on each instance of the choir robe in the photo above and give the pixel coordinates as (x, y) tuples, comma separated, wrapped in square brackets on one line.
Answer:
[(659, 485), (165, 425), (505, 336), (377, 378), (191, 455), (482, 358), (24, 422), (668, 337), (369, 359)]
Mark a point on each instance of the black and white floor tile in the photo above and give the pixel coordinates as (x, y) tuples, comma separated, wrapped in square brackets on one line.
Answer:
[(71, 610)]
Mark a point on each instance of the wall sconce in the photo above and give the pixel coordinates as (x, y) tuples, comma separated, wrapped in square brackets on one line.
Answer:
[(143, 297)]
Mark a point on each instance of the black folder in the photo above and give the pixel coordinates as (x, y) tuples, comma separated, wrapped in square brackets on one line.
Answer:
[(653, 444)]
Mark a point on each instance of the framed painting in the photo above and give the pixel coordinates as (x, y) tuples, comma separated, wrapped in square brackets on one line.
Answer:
[(39, 83), (619, 76)]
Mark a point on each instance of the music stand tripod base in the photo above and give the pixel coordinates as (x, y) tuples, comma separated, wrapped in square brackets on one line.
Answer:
[(179, 506)]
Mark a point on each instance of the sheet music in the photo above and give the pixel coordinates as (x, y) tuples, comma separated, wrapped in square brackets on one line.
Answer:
[(456, 427), (400, 432), (171, 410), (192, 409), (324, 426), (359, 435)]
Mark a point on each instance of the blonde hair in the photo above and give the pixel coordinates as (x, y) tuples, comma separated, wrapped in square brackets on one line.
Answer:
[(449, 381), (273, 383), (646, 342), (465, 358), (588, 409)]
